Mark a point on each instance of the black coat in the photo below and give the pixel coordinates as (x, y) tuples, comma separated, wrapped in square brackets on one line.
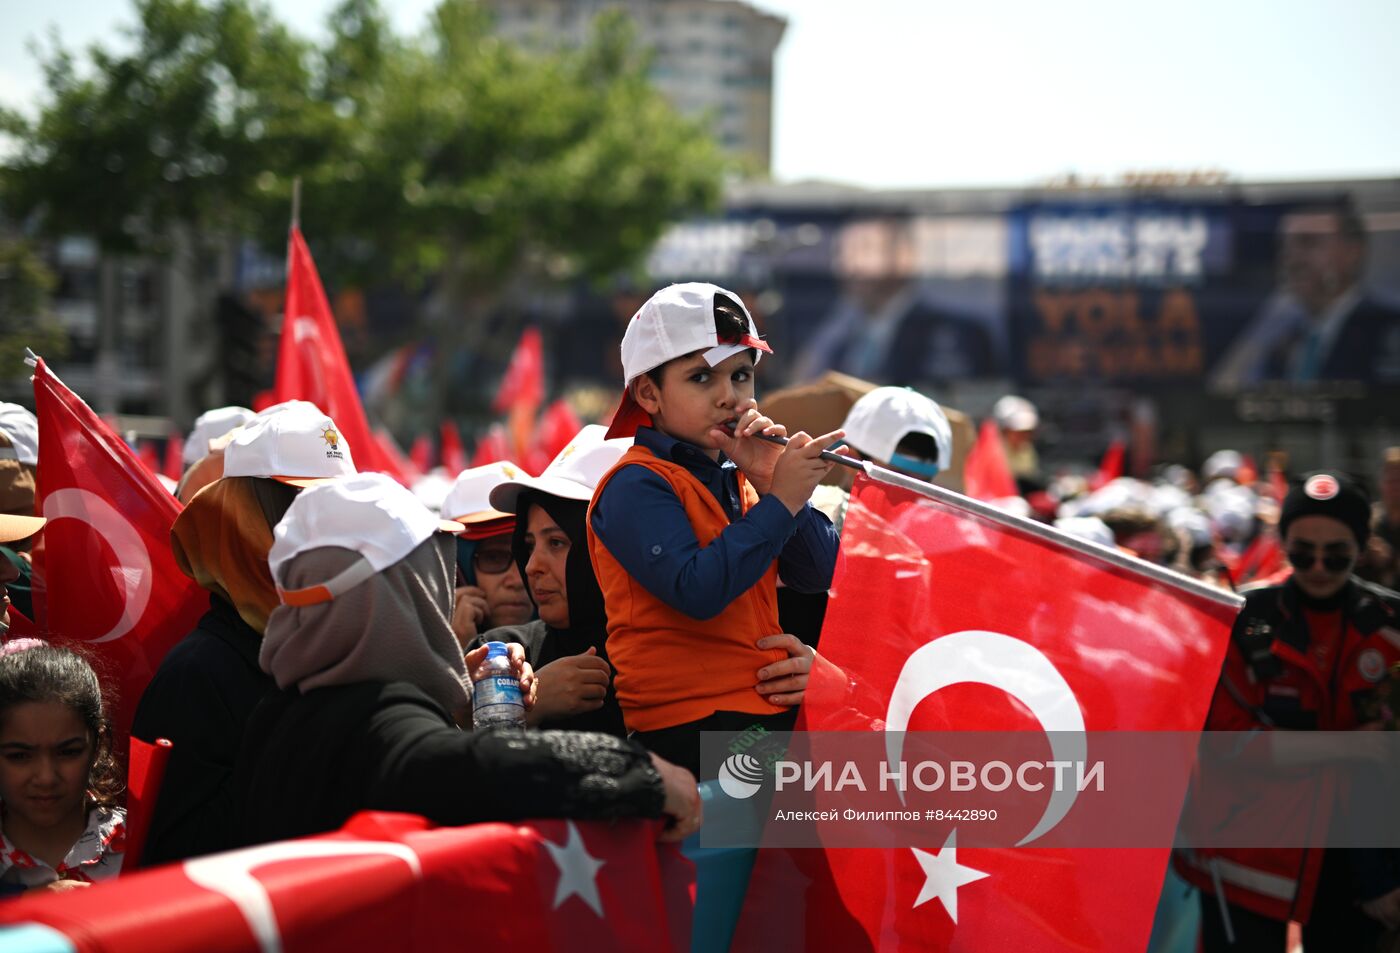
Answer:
[(312, 760), (201, 698)]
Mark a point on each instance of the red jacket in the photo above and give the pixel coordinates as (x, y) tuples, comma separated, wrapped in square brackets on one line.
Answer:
[(1272, 680)]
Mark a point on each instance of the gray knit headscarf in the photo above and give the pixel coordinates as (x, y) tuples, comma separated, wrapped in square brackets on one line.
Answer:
[(394, 627)]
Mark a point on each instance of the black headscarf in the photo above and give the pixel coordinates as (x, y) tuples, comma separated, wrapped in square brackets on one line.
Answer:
[(588, 620), (587, 616)]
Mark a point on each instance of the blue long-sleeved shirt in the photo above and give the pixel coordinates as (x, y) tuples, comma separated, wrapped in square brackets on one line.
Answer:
[(643, 524)]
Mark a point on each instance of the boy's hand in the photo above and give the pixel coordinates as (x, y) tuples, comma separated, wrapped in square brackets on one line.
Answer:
[(784, 682), (571, 685), (800, 468), (755, 457)]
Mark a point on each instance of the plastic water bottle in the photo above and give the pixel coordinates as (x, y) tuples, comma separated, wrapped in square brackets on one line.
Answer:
[(496, 701)]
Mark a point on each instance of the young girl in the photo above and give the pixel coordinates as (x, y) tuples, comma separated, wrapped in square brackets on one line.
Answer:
[(60, 827)]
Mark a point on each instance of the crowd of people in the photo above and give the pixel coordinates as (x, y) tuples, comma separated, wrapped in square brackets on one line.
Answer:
[(664, 576)]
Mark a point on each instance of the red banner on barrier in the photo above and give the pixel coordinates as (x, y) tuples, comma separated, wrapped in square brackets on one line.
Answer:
[(390, 882)]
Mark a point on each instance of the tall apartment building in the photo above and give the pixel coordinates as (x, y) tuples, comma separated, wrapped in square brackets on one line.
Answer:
[(712, 57)]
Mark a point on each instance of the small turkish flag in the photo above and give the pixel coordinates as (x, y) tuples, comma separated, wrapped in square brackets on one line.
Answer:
[(950, 619), (311, 361), (524, 380), (986, 474), (110, 578)]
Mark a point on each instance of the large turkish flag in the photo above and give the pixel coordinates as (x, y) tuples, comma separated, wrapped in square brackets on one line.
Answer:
[(110, 580), (948, 616), (392, 882)]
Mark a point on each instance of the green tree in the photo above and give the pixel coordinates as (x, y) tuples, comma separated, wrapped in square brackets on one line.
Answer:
[(449, 156), (25, 318)]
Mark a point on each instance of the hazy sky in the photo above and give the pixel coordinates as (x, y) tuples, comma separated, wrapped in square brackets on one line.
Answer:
[(932, 92)]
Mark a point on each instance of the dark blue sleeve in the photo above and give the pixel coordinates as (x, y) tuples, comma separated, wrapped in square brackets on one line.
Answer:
[(808, 561), (642, 522)]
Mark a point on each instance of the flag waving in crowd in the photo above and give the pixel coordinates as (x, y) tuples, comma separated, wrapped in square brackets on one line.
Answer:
[(110, 576), (954, 619), (311, 361)]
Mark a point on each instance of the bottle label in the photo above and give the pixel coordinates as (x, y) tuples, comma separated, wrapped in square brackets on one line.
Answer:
[(496, 701)]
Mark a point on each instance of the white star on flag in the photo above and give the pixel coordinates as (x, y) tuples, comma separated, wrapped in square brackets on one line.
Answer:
[(943, 875), (578, 871)]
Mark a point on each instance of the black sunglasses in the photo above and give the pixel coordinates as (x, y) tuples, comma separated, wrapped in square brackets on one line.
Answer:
[(492, 560), (1303, 559)]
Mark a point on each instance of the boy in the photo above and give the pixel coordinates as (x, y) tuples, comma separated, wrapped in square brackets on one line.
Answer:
[(690, 532)]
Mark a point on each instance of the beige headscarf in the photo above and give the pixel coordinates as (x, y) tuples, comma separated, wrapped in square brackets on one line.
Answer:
[(394, 627), (221, 540)]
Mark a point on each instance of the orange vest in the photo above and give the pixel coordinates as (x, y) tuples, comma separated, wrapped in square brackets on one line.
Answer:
[(671, 668)]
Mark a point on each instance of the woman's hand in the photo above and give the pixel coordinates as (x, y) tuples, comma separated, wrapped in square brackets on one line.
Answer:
[(468, 613), (62, 886), (683, 807), (784, 682), (529, 684), (571, 686)]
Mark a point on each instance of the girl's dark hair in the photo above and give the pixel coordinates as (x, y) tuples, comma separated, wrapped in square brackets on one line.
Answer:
[(730, 326), (47, 673)]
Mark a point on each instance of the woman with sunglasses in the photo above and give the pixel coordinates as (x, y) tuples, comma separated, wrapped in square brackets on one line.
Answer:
[(490, 591), (1313, 653)]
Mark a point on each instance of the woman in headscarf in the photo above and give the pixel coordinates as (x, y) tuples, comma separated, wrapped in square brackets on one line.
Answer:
[(374, 688), (208, 684)]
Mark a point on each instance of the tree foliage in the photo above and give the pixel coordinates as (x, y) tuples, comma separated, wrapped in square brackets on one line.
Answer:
[(449, 151)]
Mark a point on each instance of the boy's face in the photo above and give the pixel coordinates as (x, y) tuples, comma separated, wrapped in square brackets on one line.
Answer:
[(695, 398)]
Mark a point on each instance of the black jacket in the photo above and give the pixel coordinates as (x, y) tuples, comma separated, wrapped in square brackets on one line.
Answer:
[(312, 760), (200, 698)]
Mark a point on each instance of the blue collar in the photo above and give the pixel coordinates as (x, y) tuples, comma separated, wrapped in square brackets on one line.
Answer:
[(686, 454)]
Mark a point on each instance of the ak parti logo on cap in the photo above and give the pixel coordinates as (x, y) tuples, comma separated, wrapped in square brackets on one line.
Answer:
[(332, 438), (1322, 487)]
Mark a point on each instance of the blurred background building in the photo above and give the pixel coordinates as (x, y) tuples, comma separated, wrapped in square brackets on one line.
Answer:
[(711, 57)]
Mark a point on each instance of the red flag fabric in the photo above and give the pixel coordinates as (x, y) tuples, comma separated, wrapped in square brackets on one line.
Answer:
[(986, 474), (492, 447), (454, 455), (558, 425), (149, 459), (1110, 467), (145, 770), (110, 579), (174, 466), (395, 454), (390, 882), (1033, 622), (421, 453), (311, 361), (524, 380)]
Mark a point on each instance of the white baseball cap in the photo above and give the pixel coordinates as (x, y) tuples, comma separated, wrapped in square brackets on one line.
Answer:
[(297, 445), (573, 475), (674, 322), (1091, 528), (1015, 413), (211, 425), (469, 500), (1222, 463), (877, 422), (288, 405), (368, 513), (22, 427)]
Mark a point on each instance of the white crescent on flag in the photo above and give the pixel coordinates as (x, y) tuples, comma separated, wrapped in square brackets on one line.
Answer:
[(1017, 668), (231, 875), (133, 559)]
